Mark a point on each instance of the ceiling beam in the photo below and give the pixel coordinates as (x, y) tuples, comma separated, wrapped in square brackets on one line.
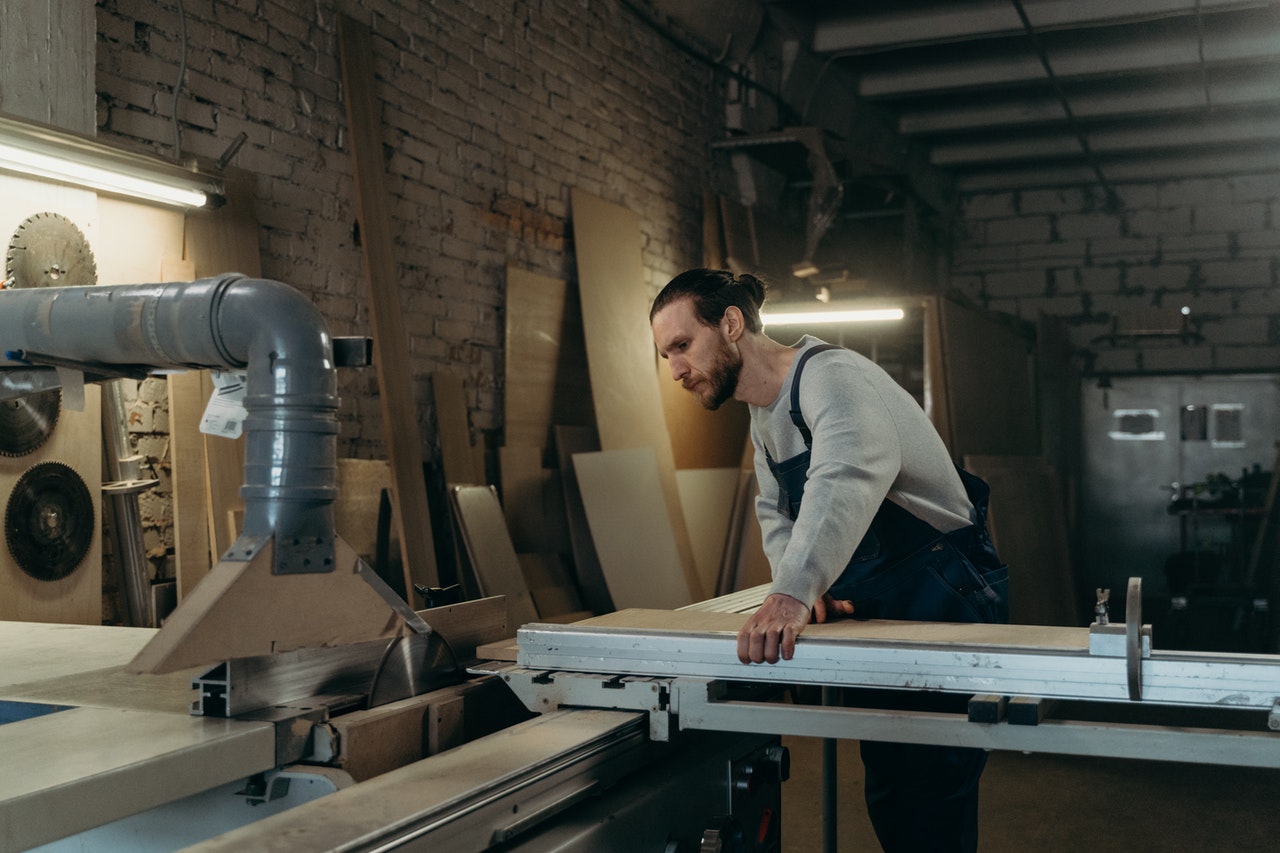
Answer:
[(1099, 55), (869, 32), (1143, 168), (1257, 86)]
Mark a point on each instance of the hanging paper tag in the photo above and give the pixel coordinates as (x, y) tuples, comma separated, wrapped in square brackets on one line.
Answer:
[(225, 413)]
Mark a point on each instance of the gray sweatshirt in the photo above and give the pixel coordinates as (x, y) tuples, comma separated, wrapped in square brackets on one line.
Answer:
[(871, 440)]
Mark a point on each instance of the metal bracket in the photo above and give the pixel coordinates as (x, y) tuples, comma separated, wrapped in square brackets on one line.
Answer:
[(542, 691)]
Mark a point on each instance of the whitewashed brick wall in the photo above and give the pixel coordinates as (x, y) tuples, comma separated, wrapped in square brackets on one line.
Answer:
[(1210, 245)]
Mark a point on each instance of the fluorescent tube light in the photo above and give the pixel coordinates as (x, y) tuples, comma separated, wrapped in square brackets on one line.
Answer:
[(44, 152), (829, 316)]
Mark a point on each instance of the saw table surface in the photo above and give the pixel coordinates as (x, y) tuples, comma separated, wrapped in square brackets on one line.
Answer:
[(123, 743)]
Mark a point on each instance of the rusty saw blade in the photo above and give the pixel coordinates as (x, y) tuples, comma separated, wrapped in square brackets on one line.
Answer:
[(49, 521)]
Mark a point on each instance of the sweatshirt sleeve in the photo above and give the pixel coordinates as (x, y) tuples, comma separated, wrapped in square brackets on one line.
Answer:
[(856, 457)]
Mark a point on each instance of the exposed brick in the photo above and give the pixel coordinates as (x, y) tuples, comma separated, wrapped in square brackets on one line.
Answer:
[(1020, 229)]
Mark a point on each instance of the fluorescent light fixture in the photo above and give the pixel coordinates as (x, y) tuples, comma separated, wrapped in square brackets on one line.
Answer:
[(826, 315), (38, 151)]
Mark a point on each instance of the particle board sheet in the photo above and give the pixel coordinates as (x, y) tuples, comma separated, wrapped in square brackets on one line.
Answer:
[(571, 440), (632, 535), (412, 517), (1029, 529), (489, 549), (620, 351), (33, 652), (707, 498), (545, 359)]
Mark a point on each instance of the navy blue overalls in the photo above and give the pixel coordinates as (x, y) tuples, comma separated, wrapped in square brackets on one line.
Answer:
[(919, 798)]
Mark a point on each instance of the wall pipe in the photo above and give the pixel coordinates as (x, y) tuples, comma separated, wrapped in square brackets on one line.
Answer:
[(263, 327)]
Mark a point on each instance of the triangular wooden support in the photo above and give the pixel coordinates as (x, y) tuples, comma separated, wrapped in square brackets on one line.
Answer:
[(243, 610)]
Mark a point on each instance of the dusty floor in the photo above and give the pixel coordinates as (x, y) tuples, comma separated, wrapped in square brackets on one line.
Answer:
[(1052, 803)]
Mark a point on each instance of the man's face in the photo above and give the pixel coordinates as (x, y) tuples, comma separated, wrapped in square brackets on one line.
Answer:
[(702, 358)]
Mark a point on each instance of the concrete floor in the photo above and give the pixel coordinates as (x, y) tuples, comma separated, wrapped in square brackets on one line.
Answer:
[(1053, 803)]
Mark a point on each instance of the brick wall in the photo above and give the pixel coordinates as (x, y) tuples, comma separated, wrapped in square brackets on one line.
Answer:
[(1209, 246), (491, 111)]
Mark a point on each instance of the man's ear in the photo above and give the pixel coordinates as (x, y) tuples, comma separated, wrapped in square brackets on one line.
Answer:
[(732, 323)]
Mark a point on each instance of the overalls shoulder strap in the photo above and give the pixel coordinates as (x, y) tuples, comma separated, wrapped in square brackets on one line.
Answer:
[(797, 417)]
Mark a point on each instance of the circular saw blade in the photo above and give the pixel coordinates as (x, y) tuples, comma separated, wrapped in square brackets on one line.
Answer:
[(49, 521), (26, 422), (49, 250)]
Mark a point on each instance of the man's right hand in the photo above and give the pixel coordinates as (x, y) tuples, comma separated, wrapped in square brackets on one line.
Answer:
[(772, 630)]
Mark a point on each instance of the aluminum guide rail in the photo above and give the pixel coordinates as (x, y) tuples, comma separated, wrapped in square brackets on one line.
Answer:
[(1182, 678), (689, 703)]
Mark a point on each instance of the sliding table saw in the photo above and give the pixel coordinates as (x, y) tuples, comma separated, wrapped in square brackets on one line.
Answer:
[(325, 714)]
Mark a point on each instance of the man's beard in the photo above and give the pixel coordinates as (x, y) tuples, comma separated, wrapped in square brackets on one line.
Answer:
[(722, 378)]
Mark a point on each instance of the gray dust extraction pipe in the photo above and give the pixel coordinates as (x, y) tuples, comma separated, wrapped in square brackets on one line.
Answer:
[(264, 327)]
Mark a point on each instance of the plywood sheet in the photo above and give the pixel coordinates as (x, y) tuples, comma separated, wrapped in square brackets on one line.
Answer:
[(386, 313), (456, 453), (707, 498), (484, 531), (1028, 527), (545, 359), (571, 440), (620, 351), (623, 500)]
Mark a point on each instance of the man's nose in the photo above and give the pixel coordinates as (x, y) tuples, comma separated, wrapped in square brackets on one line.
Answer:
[(678, 368)]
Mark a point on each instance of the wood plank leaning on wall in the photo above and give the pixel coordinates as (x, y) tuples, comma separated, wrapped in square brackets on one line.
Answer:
[(391, 344), (620, 353)]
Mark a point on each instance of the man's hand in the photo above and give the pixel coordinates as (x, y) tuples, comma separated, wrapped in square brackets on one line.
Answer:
[(772, 630), (828, 605)]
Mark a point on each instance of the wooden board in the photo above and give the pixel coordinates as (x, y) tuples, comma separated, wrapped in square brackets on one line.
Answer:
[(489, 549), (629, 526), (386, 313), (1041, 637), (1029, 529), (744, 565), (533, 501), (586, 562), (456, 454), (620, 351), (545, 360), (192, 554), (707, 498)]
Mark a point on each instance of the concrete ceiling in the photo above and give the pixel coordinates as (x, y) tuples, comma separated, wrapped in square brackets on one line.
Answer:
[(1010, 94)]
